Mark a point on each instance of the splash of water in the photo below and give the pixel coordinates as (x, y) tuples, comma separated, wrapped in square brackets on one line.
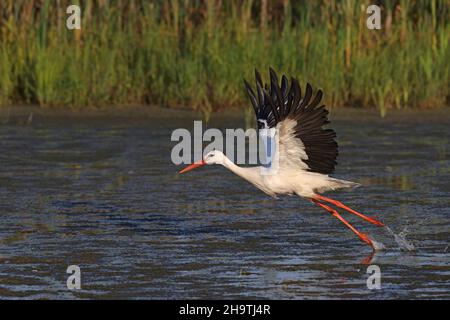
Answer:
[(400, 239), (378, 245)]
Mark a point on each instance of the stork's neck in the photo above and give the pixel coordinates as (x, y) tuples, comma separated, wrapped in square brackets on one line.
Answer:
[(227, 163), (251, 174)]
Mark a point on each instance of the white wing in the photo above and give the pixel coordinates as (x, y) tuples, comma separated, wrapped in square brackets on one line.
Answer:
[(291, 151), (303, 143)]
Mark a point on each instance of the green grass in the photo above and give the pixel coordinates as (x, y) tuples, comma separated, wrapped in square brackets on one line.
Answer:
[(194, 54)]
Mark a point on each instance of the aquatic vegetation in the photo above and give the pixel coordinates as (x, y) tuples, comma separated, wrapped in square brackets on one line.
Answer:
[(195, 53)]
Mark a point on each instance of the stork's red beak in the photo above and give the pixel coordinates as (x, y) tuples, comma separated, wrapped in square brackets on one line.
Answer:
[(193, 166)]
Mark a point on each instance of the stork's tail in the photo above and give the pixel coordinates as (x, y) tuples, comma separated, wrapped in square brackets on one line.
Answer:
[(335, 184)]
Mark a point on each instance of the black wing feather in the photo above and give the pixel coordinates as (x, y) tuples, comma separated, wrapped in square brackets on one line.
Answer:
[(274, 103)]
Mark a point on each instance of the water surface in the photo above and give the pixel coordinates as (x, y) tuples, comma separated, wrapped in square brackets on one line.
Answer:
[(102, 194)]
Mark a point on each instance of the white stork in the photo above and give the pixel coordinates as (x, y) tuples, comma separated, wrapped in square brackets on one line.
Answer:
[(306, 152)]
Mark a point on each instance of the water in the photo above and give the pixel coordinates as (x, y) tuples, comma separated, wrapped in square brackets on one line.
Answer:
[(101, 193)]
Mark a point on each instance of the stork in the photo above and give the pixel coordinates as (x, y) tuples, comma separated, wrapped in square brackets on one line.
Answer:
[(306, 152)]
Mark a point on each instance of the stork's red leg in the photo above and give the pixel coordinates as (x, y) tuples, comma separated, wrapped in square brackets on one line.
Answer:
[(341, 205), (362, 236)]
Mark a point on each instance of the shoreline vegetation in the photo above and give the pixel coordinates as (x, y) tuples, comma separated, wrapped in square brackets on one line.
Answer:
[(195, 53), (32, 114)]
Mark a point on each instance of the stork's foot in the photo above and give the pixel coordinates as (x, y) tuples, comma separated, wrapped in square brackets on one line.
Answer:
[(374, 221), (366, 239)]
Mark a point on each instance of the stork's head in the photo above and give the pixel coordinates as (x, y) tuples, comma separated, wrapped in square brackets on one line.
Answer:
[(212, 157)]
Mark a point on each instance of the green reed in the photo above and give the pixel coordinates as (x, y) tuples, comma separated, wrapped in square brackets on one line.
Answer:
[(195, 53)]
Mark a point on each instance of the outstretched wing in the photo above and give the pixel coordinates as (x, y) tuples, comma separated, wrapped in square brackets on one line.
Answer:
[(303, 143)]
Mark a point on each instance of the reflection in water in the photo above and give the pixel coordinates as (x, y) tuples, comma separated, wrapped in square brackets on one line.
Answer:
[(401, 182), (370, 258), (104, 195)]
